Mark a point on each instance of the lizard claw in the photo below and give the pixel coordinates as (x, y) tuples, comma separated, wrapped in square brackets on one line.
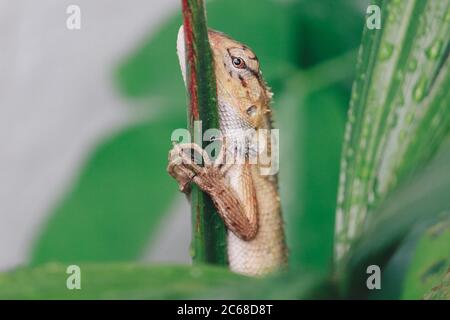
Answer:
[(183, 175), (184, 166)]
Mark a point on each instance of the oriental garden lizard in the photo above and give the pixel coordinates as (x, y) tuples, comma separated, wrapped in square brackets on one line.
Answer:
[(246, 200)]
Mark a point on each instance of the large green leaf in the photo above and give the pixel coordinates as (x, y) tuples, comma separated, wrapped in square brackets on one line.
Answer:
[(115, 281), (424, 197), (399, 111), (116, 202), (134, 281)]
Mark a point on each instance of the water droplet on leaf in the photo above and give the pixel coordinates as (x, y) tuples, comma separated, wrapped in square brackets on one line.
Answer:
[(412, 65), (409, 117), (419, 89), (386, 51), (434, 50)]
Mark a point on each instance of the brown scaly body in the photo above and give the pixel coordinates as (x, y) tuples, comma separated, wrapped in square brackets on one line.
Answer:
[(247, 200)]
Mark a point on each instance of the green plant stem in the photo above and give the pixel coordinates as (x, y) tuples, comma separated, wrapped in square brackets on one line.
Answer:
[(208, 232)]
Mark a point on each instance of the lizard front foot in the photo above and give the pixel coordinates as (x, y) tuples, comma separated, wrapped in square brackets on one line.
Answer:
[(184, 167), (239, 217)]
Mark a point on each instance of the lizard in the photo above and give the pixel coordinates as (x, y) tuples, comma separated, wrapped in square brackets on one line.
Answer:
[(247, 201)]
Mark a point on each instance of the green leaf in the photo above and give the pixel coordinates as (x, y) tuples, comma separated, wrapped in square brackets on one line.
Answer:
[(424, 197), (116, 202), (399, 111), (136, 281), (115, 281), (430, 261), (293, 285)]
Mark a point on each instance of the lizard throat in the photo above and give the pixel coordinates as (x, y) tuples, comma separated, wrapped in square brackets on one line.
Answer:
[(230, 121), (240, 134)]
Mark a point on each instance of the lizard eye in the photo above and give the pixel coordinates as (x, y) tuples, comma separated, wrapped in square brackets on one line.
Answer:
[(238, 62)]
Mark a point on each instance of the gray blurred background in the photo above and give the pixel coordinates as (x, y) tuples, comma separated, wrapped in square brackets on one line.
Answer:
[(57, 102)]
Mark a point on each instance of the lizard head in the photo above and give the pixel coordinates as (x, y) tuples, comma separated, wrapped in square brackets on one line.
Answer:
[(239, 79), (240, 85)]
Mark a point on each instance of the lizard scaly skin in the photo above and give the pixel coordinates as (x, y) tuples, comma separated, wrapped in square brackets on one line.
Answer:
[(247, 201)]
